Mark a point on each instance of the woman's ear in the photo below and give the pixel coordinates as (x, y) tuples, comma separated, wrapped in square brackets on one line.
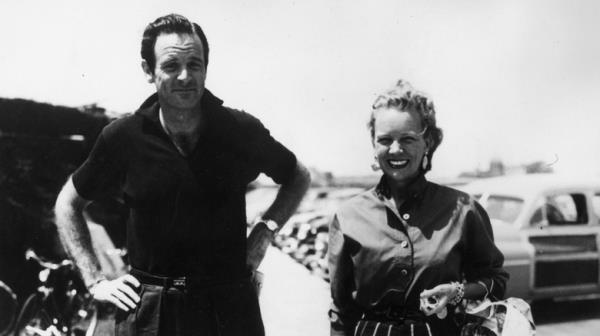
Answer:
[(428, 145)]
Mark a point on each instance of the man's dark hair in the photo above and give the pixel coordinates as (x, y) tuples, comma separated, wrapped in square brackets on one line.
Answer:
[(172, 23)]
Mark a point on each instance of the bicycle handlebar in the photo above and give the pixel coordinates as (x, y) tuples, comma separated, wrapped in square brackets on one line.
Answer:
[(31, 255)]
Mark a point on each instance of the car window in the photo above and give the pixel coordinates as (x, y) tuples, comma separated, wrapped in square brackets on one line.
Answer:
[(561, 209), (596, 205), (503, 208)]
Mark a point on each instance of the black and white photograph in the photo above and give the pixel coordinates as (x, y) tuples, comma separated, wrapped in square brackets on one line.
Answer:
[(288, 168)]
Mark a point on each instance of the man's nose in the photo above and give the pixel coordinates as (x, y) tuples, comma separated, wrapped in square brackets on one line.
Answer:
[(184, 75)]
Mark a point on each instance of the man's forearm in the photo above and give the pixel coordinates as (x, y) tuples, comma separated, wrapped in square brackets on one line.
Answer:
[(289, 196), (75, 237)]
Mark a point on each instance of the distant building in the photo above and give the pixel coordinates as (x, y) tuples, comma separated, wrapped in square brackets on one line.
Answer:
[(498, 168)]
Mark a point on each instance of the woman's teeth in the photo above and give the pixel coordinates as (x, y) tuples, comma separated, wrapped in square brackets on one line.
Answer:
[(396, 164)]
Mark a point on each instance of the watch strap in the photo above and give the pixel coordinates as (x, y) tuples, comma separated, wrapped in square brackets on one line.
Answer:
[(269, 223)]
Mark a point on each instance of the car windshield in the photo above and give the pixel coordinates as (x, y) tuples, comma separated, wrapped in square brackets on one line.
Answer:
[(503, 208)]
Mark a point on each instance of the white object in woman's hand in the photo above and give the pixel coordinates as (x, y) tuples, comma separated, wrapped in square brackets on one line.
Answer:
[(431, 305), (434, 301)]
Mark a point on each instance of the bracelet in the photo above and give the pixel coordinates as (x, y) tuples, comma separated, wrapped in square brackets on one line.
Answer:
[(460, 293)]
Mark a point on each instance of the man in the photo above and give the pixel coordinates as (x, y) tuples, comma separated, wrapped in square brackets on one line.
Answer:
[(182, 163)]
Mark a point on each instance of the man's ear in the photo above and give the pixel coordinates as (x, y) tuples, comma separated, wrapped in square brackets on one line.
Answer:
[(149, 73)]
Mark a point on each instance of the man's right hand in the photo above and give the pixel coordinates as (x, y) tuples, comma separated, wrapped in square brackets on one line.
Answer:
[(118, 292)]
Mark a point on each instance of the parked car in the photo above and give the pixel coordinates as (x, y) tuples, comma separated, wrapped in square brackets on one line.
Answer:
[(548, 227), (305, 236)]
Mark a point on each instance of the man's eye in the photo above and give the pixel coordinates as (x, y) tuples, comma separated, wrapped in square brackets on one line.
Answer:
[(169, 67), (196, 66)]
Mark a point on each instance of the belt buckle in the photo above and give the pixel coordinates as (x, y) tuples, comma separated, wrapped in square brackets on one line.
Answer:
[(179, 282), (391, 314), (395, 315)]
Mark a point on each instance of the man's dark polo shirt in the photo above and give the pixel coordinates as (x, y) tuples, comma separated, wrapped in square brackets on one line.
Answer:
[(187, 214)]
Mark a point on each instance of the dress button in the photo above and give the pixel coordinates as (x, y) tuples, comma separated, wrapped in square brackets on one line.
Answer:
[(404, 272), (404, 244), (406, 216)]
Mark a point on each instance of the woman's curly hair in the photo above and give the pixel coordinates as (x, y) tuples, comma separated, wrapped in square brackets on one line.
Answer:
[(403, 97)]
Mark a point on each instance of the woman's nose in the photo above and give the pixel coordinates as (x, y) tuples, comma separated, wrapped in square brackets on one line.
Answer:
[(395, 147)]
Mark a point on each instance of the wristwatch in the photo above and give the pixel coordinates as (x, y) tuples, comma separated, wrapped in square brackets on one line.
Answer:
[(269, 223)]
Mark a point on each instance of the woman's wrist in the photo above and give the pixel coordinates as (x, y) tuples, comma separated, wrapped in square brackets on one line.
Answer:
[(459, 293)]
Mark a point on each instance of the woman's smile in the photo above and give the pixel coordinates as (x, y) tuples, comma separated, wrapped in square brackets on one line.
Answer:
[(397, 164)]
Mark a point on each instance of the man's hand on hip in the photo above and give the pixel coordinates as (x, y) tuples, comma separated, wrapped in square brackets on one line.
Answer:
[(118, 292)]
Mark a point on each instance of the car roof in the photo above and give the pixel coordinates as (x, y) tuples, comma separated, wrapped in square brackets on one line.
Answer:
[(531, 184)]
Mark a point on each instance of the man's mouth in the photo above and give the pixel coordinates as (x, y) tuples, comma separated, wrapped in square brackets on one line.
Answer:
[(397, 164)]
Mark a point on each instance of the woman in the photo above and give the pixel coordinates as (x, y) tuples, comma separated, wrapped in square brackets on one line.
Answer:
[(404, 254)]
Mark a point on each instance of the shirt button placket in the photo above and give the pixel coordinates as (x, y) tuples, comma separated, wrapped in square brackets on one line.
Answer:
[(405, 244)]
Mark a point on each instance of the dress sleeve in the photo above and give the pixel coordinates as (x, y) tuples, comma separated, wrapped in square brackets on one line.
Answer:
[(483, 259), (344, 313), (100, 174)]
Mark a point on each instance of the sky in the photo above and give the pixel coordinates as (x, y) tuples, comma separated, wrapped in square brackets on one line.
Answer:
[(516, 81)]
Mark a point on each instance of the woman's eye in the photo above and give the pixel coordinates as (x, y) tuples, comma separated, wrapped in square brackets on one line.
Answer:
[(408, 139), (384, 141)]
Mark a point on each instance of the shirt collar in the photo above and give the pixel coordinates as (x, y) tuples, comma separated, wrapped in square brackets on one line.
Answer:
[(414, 191), (150, 106)]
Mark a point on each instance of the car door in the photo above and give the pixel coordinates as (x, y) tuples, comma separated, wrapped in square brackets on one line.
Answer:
[(564, 232)]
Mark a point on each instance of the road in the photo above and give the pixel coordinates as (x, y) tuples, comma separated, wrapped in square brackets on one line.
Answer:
[(293, 302), (577, 318)]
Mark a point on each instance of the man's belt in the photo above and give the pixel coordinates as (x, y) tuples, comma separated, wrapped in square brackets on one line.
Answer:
[(184, 282)]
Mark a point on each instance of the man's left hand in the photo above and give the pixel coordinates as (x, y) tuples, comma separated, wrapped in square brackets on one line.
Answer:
[(259, 240)]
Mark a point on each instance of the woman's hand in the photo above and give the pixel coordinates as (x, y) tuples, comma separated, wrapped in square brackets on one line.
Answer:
[(434, 301)]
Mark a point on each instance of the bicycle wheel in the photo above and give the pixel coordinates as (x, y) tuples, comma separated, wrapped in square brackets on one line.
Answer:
[(33, 319), (86, 326), (8, 308)]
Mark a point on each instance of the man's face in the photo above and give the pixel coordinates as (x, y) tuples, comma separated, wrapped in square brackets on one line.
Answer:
[(180, 70)]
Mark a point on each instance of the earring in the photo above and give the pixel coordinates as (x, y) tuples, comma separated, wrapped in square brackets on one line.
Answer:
[(425, 161), (375, 165)]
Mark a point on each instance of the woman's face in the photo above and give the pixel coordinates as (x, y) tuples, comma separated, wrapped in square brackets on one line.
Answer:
[(399, 144)]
